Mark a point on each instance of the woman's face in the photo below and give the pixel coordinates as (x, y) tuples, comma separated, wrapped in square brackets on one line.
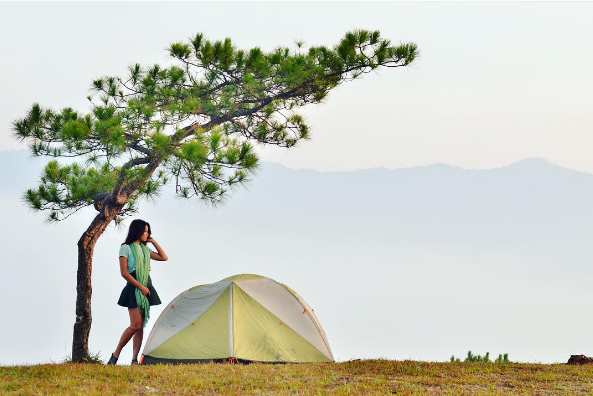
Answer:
[(144, 236)]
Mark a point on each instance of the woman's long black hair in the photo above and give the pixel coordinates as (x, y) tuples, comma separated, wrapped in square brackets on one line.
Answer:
[(136, 230)]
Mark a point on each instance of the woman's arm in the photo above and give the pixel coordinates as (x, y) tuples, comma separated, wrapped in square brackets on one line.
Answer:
[(161, 255), (123, 269)]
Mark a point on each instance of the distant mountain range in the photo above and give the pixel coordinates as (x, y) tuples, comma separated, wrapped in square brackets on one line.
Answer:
[(530, 201), (434, 260)]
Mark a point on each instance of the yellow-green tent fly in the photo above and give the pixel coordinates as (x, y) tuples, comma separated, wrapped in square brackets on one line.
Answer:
[(241, 318)]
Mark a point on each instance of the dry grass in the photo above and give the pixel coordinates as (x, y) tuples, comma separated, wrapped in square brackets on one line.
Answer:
[(379, 377)]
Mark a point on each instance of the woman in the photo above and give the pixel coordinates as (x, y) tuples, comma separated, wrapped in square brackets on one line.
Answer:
[(139, 294)]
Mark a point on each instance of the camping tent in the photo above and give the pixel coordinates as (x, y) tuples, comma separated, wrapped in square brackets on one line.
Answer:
[(245, 318)]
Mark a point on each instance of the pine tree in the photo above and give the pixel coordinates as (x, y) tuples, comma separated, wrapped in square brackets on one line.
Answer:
[(194, 122)]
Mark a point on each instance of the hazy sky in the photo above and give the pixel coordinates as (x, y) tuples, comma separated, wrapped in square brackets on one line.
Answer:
[(417, 263), (495, 82)]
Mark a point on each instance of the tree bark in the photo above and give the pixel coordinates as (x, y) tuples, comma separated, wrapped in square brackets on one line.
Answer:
[(84, 290)]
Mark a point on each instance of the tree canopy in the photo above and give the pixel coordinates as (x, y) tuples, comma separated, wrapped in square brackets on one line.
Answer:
[(194, 121)]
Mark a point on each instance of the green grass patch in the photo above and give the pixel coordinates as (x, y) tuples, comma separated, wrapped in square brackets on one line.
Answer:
[(378, 377)]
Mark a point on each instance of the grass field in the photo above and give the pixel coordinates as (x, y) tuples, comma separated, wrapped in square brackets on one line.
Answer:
[(379, 377)]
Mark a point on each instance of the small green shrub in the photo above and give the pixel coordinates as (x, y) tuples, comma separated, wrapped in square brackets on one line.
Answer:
[(486, 358), (94, 358), (503, 358)]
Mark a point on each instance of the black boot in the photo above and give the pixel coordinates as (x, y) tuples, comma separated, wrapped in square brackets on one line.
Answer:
[(112, 359)]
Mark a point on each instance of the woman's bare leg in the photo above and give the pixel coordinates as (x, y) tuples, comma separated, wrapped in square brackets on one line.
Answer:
[(135, 326), (137, 343)]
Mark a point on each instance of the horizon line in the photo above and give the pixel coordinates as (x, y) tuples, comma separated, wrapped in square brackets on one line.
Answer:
[(526, 159)]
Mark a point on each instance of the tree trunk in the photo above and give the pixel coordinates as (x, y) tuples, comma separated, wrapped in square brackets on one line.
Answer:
[(84, 290)]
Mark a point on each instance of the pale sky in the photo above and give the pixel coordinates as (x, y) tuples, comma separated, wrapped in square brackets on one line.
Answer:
[(495, 82)]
